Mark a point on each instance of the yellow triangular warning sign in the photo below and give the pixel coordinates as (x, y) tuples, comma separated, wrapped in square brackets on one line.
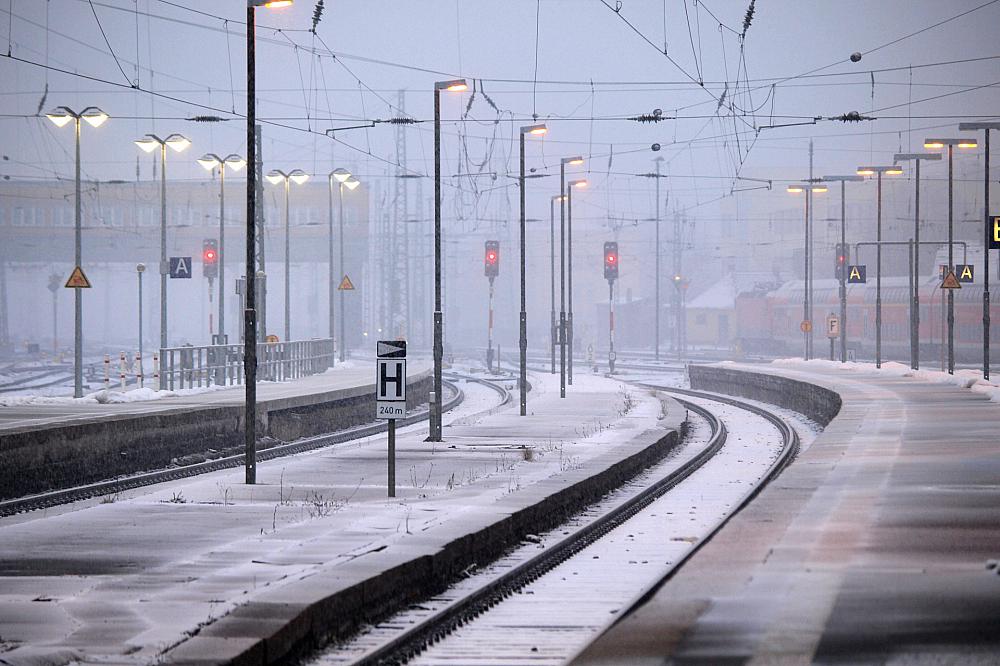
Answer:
[(950, 281), (77, 280), (346, 284)]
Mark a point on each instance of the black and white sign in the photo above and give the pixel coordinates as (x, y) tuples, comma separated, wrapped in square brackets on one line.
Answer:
[(180, 267), (390, 379)]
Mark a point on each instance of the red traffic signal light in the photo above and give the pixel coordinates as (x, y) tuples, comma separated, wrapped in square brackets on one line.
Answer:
[(610, 260), (210, 258), (491, 260)]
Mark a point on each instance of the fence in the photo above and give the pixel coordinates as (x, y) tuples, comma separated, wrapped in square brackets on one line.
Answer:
[(222, 365)]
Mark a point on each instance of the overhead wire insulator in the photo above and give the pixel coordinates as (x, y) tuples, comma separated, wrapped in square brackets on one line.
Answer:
[(654, 117), (399, 120), (851, 117), (207, 119)]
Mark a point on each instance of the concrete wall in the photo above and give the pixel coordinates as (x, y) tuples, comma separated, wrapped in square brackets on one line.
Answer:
[(818, 403), (35, 461)]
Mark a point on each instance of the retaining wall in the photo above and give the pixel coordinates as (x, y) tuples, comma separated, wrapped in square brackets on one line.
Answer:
[(816, 402), (64, 455)]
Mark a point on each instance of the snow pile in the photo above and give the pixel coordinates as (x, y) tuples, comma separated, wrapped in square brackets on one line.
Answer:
[(103, 397), (967, 379)]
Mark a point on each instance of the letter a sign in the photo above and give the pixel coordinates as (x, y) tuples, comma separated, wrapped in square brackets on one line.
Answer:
[(390, 379), (857, 274), (965, 273)]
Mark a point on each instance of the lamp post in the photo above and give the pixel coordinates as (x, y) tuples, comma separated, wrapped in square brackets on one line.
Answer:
[(149, 143), (986, 127), (878, 171), (806, 326), (236, 163), (656, 333), (534, 130), (250, 313), (843, 180), (553, 332), (351, 183), (950, 145), (298, 177), (580, 183), (562, 258), (917, 158), (61, 116), (338, 176), (434, 422), (139, 270)]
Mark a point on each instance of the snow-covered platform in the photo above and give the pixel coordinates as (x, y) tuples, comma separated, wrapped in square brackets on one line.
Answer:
[(209, 570), (877, 545)]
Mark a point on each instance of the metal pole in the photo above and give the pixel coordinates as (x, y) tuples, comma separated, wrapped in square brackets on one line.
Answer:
[(878, 274), (524, 315), (78, 295), (250, 314), (164, 268), (489, 335), (222, 251), (913, 282), (569, 285), (611, 327), (392, 457), (343, 317), (562, 280), (843, 272), (656, 345), (916, 275), (552, 280), (332, 288), (139, 273), (805, 281), (810, 233), (951, 262), (288, 269), (986, 259), (435, 415)]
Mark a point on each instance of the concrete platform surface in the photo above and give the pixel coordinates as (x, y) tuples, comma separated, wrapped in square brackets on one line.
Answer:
[(208, 569), (20, 414), (872, 547)]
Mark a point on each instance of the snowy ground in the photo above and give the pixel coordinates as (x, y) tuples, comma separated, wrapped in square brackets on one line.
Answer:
[(967, 378), (126, 577)]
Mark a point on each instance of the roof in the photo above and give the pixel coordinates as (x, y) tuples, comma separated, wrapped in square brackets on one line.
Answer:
[(720, 296)]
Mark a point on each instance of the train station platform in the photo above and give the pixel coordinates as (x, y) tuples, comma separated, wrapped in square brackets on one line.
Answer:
[(52, 443), (210, 570), (877, 545)]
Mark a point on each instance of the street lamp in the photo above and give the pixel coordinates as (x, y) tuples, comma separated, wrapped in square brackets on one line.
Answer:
[(139, 270), (336, 176), (250, 313), (917, 158), (148, 144), (553, 332), (434, 422), (211, 161), (581, 183), (62, 116), (533, 130), (562, 265), (809, 186), (878, 171), (343, 178), (843, 180), (950, 144), (986, 127), (298, 177)]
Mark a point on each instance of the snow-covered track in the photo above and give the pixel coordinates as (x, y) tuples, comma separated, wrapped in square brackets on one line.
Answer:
[(113, 486)]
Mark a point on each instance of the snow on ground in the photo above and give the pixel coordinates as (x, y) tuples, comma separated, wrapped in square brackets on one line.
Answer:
[(105, 397), (965, 378), (123, 556)]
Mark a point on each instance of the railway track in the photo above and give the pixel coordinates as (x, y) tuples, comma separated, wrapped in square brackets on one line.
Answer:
[(429, 626), (113, 486)]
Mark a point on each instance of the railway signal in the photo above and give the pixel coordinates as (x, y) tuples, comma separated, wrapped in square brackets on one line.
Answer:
[(610, 260), (840, 261), (610, 274), (491, 265), (210, 258)]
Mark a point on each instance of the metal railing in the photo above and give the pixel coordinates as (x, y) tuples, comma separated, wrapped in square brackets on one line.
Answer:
[(222, 365)]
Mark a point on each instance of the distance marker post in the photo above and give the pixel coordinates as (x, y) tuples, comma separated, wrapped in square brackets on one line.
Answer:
[(390, 395)]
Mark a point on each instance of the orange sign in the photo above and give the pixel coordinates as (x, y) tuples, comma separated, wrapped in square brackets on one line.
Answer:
[(950, 281), (346, 284), (806, 326), (77, 280)]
